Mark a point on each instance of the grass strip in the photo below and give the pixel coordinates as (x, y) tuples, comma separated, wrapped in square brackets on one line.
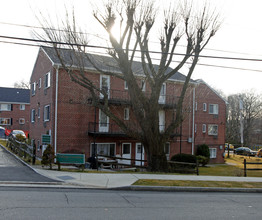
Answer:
[(187, 183)]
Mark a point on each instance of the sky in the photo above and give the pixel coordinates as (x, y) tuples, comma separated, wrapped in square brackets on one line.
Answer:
[(238, 37)]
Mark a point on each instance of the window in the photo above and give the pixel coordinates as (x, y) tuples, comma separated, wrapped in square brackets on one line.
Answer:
[(47, 113), (103, 122), (5, 107), (47, 80), (126, 148), (167, 150), (125, 85), (107, 149), (161, 115), (204, 128), (195, 106), (162, 97), (21, 121), (213, 130), (38, 145), (213, 152), (5, 121), (38, 112), (195, 128), (104, 85), (204, 107), (33, 115), (39, 83), (22, 107), (143, 85), (126, 114), (213, 109), (33, 88)]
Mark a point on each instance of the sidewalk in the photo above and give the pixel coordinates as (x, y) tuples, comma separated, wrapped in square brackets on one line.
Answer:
[(116, 180)]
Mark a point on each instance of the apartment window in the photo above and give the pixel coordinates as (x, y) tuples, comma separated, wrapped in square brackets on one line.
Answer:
[(125, 85), (39, 83), (213, 130), (104, 85), (126, 114), (195, 128), (47, 113), (195, 106), (213, 109), (33, 85), (38, 112), (38, 145), (162, 97), (204, 107), (33, 115), (143, 85), (21, 121), (22, 107), (5, 121), (204, 128), (107, 149), (47, 80), (213, 152), (167, 150), (5, 107)]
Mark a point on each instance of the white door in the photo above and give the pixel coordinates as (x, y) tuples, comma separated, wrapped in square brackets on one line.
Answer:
[(126, 153), (103, 122), (161, 114), (162, 97), (140, 154), (104, 85)]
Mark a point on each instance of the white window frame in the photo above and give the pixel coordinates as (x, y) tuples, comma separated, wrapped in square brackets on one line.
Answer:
[(5, 121), (108, 85), (162, 95), (39, 83), (125, 85), (126, 114), (162, 120), (204, 107), (214, 108), (47, 80), (47, 113), (8, 107), (33, 88), (21, 121), (103, 126), (108, 145), (32, 115), (38, 112), (167, 150), (204, 128), (22, 107), (143, 85), (195, 106), (213, 153), (210, 129)]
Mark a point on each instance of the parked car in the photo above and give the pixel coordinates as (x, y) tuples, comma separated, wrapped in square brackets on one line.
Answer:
[(245, 151), (259, 153), (17, 134)]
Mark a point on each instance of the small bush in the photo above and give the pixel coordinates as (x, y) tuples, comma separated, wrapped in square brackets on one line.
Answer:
[(188, 158), (48, 156), (20, 138), (183, 168), (202, 160), (203, 150)]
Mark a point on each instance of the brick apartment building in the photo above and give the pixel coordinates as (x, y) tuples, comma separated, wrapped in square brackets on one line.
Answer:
[(61, 110), (15, 108)]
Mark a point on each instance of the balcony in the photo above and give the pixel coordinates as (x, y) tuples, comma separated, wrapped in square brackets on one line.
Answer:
[(119, 97), (105, 129)]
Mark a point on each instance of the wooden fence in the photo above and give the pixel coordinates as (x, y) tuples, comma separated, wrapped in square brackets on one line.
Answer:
[(253, 163)]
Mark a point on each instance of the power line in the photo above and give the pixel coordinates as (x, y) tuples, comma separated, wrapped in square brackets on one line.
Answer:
[(201, 64), (96, 35), (108, 48)]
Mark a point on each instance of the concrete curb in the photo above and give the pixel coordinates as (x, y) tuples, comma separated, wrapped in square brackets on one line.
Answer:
[(188, 189)]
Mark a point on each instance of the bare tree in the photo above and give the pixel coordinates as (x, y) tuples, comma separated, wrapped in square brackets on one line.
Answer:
[(22, 84), (252, 111), (136, 19)]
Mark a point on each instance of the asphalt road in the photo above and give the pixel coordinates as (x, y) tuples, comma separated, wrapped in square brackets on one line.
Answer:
[(13, 170), (25, 203)]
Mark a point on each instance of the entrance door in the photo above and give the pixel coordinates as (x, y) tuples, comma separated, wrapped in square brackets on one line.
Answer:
[(126, 150), (103, 122), (140, 154)]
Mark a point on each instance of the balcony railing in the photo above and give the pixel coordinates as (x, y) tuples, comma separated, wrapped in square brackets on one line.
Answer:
[(123, 96)]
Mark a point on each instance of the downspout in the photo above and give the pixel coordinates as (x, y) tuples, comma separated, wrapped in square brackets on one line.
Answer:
[(193, 121), (56, 101)]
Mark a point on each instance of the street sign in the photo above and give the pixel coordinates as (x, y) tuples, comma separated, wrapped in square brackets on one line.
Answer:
[(46, 139)]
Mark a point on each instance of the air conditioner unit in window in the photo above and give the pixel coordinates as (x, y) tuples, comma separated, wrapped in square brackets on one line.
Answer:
[(189, 140)]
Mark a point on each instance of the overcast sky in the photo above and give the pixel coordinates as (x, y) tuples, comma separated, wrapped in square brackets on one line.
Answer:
[(239, 36)]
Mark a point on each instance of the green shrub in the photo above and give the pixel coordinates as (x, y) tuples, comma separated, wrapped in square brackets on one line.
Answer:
[(20, 138), (188, 158), (202, 160), (203, 150), (48, 156)]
